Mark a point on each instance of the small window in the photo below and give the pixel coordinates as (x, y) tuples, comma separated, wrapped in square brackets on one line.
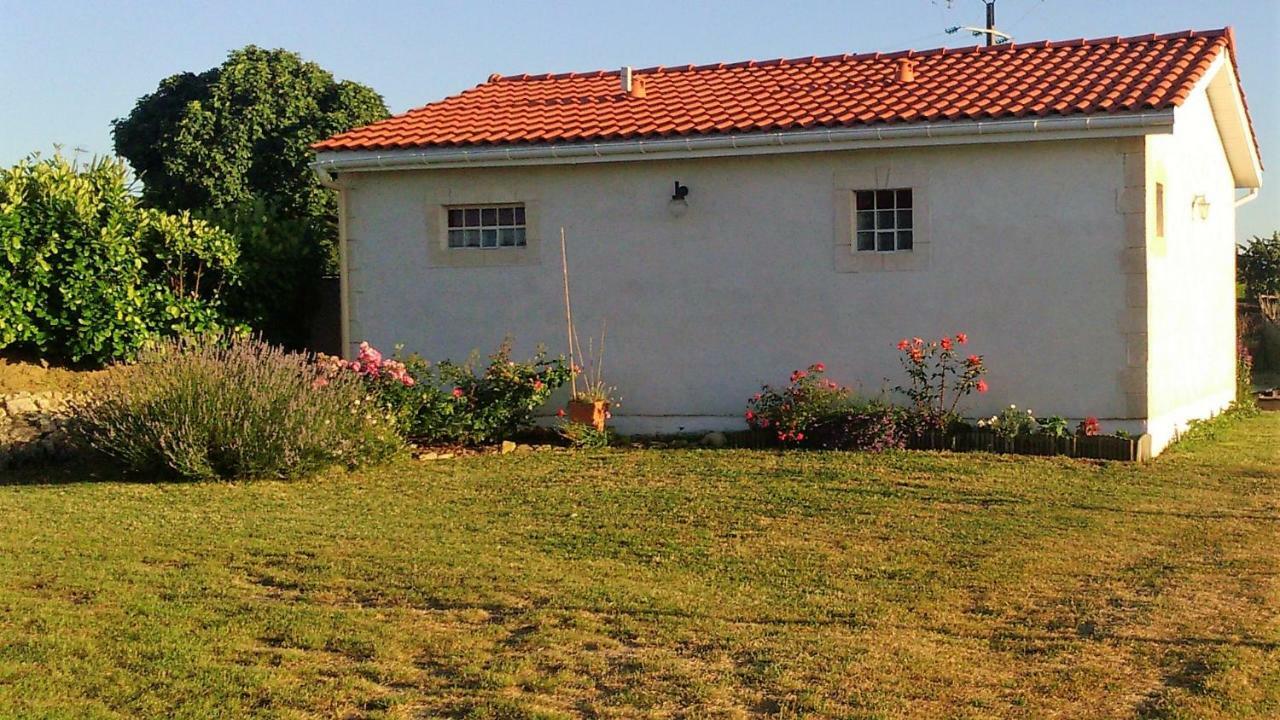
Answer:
[(486, 226), (883, 221), (1159, 209)]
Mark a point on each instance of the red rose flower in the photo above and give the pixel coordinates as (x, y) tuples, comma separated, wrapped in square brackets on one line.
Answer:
[(982, 386), (962, 338), (560, 412), (945, 343), (819, 367), (903, 344), (457, 392), (973, 360)]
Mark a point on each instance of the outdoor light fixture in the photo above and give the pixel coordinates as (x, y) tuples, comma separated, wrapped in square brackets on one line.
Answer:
[(1200, 205), (679, 204)]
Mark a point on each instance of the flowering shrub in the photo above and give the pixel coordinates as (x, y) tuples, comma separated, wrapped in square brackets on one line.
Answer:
[(232, 408), (1245, 399), (378, 373), (792, 411), (1011, 423), (450, 403), (938, 379), (873, 427)]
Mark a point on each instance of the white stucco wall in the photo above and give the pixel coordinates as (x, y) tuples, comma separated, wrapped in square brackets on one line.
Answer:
[(1190, 274), (1026, 245)]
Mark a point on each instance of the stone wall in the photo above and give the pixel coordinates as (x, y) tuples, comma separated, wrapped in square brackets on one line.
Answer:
[(33, 426)]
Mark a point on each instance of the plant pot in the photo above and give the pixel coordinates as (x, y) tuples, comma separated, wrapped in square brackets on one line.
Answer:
[(589, 412)]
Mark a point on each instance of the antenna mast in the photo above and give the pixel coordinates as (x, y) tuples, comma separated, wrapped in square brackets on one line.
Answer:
[(994, 36)]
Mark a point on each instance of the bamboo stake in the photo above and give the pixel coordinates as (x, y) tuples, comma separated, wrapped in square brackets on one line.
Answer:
[(568, 311), (600, 362)]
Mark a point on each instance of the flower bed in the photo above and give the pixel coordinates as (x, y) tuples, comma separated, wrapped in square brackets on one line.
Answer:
[(815, 412)]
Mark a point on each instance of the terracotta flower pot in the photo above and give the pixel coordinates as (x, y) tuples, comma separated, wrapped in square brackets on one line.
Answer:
[(589, 412)]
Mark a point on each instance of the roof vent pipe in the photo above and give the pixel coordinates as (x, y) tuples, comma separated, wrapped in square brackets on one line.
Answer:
[(625, 73), (906, 70)]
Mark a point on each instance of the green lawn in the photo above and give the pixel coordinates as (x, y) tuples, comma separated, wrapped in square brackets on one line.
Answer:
[(656, 583)]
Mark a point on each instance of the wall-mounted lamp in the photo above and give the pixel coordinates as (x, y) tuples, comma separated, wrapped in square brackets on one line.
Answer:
[(1200, 206), (679, 204)]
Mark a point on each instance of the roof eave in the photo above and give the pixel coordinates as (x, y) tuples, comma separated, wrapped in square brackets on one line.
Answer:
[(787, 141), (1226, 100)]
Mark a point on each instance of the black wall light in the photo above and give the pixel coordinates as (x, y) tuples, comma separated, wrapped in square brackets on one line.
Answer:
[(679, 200)]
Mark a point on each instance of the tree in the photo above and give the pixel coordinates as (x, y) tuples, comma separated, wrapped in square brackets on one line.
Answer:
[(232, 145), (1258, 266)]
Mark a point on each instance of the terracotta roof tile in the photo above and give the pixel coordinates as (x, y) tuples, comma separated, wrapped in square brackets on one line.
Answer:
[(1070, 77)]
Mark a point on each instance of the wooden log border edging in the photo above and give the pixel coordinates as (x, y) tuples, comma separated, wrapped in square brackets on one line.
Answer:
[(1093, 447)]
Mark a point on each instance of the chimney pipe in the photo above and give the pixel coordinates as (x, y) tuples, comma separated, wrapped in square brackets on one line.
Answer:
[(632, 85), (906, 70)]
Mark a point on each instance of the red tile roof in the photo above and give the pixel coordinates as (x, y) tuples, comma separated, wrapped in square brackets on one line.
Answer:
[(1108, 75)]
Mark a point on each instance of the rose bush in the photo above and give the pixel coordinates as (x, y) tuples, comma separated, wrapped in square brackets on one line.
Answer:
[(452, 403), (938, 379), (789, 412)]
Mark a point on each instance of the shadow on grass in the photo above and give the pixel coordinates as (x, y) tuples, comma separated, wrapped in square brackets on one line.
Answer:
[(86, 468), (1090, 633), (1175, 513)]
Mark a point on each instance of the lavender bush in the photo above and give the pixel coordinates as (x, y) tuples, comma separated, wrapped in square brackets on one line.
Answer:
[(232, 408)]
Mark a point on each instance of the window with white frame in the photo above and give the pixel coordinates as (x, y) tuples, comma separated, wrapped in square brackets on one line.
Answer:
[(883, 220), (486, 226)]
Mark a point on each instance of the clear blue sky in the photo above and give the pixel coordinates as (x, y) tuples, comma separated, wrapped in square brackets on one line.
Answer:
[(68, 68)]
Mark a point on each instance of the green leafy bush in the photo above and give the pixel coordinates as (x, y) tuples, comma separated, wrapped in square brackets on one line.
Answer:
[(88, 274), (1258, 266), (232, 408), (1055, 426), (280, 263), (583, 436), (450, 402)]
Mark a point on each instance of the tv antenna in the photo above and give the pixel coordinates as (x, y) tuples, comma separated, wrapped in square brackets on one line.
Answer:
[(994, 36)]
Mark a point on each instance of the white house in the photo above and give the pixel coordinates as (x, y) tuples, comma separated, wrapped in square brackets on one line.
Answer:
[(1069, 205)]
